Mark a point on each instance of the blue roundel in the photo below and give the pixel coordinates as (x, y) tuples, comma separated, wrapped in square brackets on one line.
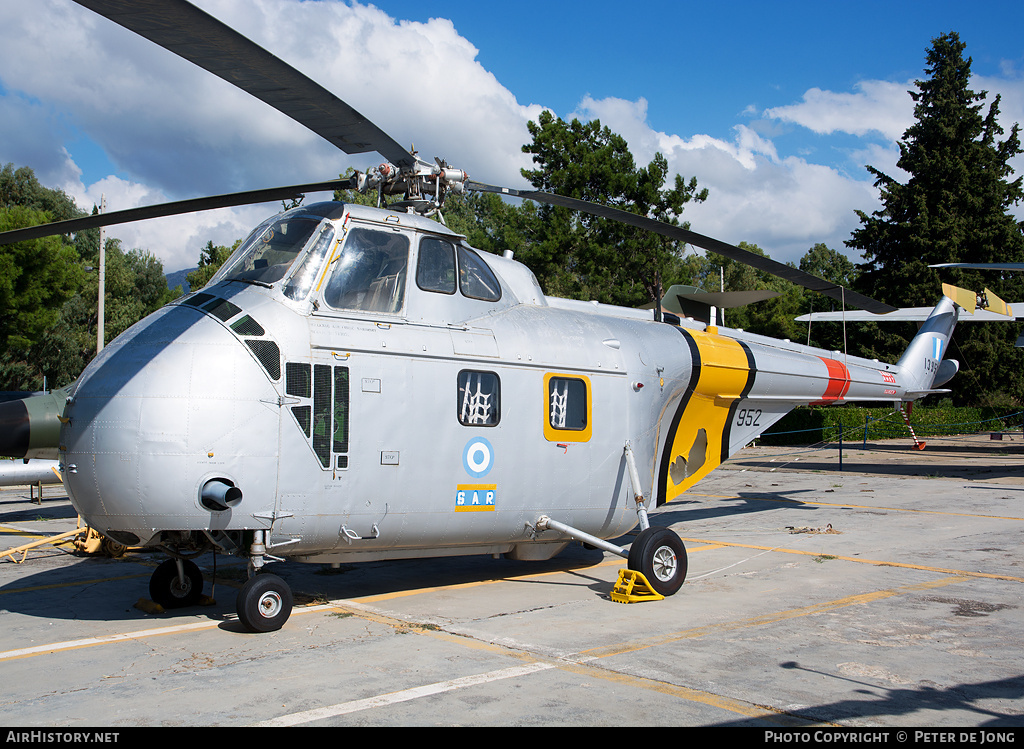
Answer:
[(478, 457)]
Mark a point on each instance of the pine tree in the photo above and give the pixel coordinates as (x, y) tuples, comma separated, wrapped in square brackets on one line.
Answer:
[(954, 207), (584, 257)]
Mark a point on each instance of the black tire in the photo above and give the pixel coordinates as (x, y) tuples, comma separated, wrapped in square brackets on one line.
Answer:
[(659, 555), (112, 548), (170, 591), (264, 603)]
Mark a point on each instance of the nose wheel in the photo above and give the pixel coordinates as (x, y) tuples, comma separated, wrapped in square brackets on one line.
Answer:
[(176, 583), (264, 603)]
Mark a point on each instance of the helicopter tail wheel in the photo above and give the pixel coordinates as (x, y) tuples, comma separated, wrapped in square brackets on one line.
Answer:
[(174, 590), (659, 555), (264, 603)]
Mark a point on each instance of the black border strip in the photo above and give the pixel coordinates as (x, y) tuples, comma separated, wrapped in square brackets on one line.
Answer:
[(751, 372), (666, 453)]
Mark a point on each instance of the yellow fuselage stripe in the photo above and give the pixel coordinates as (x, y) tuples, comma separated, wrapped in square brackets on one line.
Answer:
[(724, 376)]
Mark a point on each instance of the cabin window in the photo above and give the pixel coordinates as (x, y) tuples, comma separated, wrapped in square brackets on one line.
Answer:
[(435, 266), (322, 411), (340, 441), (475, 279), (479, 398), (298, 382), (567, 409), (370, 273)]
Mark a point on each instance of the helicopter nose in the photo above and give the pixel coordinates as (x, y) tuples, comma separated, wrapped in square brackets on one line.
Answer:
[(169, 413)]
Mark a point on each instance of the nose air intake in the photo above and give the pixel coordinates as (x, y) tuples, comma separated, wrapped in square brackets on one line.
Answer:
[(219, 495)]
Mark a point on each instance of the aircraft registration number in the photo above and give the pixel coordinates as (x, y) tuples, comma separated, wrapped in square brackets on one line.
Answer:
[(748, 417)]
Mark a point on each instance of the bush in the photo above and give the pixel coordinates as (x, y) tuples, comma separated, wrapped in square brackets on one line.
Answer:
[(814, 424)]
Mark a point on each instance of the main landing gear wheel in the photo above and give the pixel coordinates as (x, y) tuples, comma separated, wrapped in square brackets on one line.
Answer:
[(170, 590), (264, 603), (659, 555)]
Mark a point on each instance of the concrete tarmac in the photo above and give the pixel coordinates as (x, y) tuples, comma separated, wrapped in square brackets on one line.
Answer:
[(885, 595)]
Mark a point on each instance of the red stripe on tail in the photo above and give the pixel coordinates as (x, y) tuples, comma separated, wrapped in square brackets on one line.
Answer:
[(838, 382)]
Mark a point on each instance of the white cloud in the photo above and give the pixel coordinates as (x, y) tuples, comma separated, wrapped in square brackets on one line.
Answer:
[(171, 128), (173, 131), (784, 205), (878, 107)]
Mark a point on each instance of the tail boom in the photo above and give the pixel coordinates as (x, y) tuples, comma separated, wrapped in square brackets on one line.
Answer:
[(741, 384)]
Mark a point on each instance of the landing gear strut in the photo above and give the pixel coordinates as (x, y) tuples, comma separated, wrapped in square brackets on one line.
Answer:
[(657, 553), (264, 603)]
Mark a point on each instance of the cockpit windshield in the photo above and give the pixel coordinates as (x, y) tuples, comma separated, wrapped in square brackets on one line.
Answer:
[(268, 253)]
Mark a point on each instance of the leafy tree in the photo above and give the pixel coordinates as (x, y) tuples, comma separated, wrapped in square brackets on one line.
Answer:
[(210, 259), (135, 286), (20, 187), (824, 262), (581, 256), (48, 302), (953, 208), (36, 277)]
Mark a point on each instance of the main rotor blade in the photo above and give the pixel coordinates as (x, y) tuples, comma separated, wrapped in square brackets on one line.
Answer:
[(793, 275), (171, 209), (198, 37), (981, 266)]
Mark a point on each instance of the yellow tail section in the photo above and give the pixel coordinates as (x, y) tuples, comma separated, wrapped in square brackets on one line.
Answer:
[(698, 436)]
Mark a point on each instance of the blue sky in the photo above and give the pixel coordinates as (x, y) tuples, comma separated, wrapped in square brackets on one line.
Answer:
[(775, 107)]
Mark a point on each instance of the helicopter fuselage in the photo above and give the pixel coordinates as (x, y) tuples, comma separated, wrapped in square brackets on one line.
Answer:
[(384, 392)]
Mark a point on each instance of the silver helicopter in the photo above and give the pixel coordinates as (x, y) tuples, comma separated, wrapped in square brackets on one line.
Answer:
[(359, 383)]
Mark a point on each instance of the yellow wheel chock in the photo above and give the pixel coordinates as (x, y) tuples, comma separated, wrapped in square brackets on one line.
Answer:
[(633, 587)]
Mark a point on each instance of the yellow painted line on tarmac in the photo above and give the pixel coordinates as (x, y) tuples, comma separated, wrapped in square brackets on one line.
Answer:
[(86, 642), (740, 707), (853, 506), (73, 584), (772, 618), (860, 560), (579, 663), (615, 561), (299, 610), (354, 603)]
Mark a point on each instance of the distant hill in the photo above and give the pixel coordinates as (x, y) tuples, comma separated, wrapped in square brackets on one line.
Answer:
[(179, 277)]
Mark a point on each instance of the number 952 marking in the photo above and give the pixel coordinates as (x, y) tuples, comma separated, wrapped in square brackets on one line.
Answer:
[(748, 417)]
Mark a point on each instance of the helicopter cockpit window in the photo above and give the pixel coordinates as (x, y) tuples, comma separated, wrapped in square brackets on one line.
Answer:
[(298, 286), (435, 266), (269, 251), (475, 279), (370, 273)]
